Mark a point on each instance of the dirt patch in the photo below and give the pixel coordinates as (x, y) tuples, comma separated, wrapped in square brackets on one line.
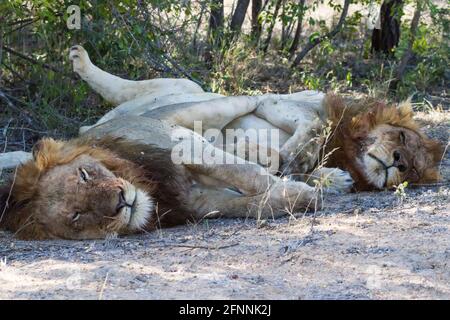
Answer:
[(362, 246)]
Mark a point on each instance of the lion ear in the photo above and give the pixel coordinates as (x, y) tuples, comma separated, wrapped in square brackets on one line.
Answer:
[(434, 148), (45, 152), (334, 106), (431, 175), (405, 108), (15, 217)]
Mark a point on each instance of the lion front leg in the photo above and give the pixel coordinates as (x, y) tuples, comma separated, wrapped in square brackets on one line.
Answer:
[(261, 194), (282, 198), (301, 152), (332, 180), (303, 119)]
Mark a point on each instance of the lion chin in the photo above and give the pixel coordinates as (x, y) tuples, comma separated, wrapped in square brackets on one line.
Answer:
[(133, 217), (140, 212)]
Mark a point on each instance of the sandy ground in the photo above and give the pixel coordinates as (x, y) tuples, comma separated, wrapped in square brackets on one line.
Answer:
[(361, 246)]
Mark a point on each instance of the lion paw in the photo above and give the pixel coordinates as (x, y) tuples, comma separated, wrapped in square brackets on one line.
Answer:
[(80, 59), (336, 180), (292, 195), (302, 161)]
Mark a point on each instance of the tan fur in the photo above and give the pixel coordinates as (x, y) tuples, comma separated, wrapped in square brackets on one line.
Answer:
[(133, 185), (372, 125), (362, 129), (74, 190), (34, 205)]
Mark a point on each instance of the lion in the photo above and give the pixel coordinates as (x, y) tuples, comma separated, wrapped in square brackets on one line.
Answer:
[(120, 176), (372, 145), (120, 179)]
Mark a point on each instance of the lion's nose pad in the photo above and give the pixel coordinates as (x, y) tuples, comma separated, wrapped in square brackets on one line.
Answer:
[(122, 201), (398, 162)]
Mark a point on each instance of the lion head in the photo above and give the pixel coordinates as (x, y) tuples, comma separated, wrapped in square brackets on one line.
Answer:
[(74, 190), (380, 145)]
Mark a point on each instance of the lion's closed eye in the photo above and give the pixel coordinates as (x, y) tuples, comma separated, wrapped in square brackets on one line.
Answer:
[(84, 175), (76, 216), (402, 138)]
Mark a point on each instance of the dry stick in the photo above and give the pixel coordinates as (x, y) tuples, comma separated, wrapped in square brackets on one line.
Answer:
[(408, 53), (22, 26), (20, 21), (201, 247), (10, 104), (312, 44), (102, 289), (14, 72), (176, 68), (34, 61)]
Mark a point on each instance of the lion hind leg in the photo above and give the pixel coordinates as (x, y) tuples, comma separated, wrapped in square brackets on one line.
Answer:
[(117, 90)]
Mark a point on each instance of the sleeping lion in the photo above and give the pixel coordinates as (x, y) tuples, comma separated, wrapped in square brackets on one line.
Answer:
[(123, 176)]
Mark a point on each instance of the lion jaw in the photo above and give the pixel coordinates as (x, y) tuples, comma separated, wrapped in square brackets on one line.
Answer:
[(136, 212)]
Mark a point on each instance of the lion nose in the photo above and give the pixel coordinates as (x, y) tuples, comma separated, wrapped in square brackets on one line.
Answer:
[(399, 162), (122, 201)]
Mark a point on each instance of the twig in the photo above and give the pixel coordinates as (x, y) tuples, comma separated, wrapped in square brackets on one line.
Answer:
[(15, 73), (27, 23), (20, 21), (100, 296), (12, 106), (34, 61), (201, 247)]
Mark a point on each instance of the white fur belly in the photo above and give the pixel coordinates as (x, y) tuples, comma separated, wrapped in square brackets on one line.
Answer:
[(252, 122)]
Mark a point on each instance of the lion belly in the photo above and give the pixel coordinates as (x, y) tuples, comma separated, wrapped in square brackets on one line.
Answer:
[(252, 122)]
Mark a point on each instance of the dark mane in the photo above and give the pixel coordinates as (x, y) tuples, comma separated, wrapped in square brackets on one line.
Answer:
[(353, 120), (169, 184)]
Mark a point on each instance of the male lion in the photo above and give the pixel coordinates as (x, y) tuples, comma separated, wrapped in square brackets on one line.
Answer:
[(119, 176), (377, 145)]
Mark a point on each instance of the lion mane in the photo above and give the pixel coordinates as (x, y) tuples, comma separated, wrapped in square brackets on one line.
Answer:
[(353, 121), (143, 165)]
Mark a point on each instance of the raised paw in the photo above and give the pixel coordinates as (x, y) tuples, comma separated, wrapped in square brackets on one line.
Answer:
[(80, 59)]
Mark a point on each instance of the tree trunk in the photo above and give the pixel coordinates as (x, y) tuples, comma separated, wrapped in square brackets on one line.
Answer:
[(387, 38), (215, 30), (216, 22), (298, 30), (284, 27), (408, 53), (197, 27), (238, 18), (311, 45), (256, 25), (272, 25)]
